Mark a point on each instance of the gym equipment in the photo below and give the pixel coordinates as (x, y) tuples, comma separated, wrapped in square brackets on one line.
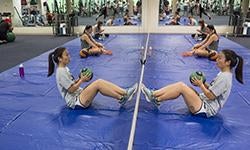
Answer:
[(198, 75), (11, 37), (86, 71)]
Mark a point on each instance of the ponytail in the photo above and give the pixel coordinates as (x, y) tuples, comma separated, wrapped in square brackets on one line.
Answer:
[(239, 69), (51, 64), (53, 58), (235, 60)]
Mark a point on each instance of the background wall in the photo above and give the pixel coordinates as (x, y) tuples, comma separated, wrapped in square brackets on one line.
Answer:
[(150, 11)]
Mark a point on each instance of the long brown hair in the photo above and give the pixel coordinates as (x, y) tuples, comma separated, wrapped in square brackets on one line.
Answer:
[(53, 58), (202, 22), (99, 24), (211, 27), (87, 27), (235, 59)]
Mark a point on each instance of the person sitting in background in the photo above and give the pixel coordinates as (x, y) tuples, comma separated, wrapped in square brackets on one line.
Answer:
[(5, 27), (162, 15), (192, 21), (202, 31), (98, 30), (110, 22), (127, 21), (175, 20)]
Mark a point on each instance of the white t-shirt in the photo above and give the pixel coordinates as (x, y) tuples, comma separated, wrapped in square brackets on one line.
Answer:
[(221, 88), (64, 80)]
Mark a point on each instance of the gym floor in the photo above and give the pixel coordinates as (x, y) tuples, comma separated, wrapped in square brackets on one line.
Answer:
[(26, 47)]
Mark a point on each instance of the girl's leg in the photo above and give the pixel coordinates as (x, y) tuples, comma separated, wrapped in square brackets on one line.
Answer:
[(189, 53), (99, 50), (94, 51), (201, 52), (173, 91), (107, 52), (104, 87)]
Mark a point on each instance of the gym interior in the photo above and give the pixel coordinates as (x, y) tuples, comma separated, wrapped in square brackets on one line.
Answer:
[(140, 46)]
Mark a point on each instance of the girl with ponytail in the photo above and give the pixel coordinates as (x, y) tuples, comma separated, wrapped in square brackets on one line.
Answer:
[(70, 88), (213, 95)]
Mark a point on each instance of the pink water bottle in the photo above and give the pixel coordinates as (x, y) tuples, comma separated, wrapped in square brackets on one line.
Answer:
[(21, 70)]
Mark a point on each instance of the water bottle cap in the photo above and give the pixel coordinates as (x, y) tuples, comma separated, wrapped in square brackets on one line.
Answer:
[(21, 65)]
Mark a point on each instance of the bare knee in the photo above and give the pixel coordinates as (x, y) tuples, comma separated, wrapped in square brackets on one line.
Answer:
[(182, 86), (98, 83), (95, 50), (202, 52)]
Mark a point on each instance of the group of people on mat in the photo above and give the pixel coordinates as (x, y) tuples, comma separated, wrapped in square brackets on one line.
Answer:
[(211, 99)]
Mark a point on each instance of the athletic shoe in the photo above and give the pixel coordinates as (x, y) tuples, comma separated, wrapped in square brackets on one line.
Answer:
[(149, 95), (129, 94)]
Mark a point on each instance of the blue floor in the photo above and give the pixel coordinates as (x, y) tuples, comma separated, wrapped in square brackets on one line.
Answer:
[(34, 116)]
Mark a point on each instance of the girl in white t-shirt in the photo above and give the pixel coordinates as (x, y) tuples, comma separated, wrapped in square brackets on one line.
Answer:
[(213, 95), (70, 88)]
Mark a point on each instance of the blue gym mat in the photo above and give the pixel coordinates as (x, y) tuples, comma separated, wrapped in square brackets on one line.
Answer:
[(34, 116), (120, 21)]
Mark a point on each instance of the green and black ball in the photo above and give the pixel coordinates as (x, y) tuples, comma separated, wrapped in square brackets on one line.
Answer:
[(198, 75), (11, 37), (88, 72)]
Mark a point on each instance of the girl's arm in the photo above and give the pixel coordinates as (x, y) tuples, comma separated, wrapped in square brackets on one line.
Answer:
[(209, 41), (90, 42), (205, 40), (77, 83), (204, 89), (207, 92), (198, 30)]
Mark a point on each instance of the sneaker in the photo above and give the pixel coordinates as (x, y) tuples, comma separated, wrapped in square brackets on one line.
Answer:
[(149, 96), (129, 94)]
